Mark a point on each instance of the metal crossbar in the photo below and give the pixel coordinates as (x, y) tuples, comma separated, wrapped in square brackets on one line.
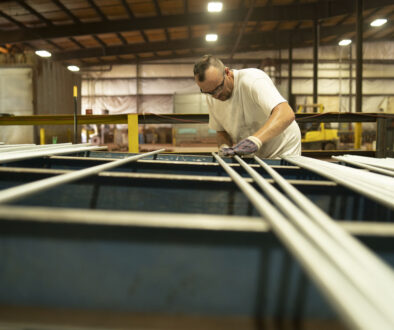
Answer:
[(15, 193)]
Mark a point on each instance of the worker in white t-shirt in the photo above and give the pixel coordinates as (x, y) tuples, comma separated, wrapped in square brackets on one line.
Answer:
[(247, 111)]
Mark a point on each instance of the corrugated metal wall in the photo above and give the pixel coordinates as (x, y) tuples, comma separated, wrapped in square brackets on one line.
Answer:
[(54, 96)]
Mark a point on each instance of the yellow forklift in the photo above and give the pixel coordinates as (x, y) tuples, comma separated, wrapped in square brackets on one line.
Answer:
[(317, 136)]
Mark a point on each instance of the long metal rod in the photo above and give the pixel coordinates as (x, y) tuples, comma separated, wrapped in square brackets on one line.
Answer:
[(366, 166), (378, 294), (17, 148), (348, 301), (385, 163), (375, 186), (47, 152), (359, 251), (15, 193)]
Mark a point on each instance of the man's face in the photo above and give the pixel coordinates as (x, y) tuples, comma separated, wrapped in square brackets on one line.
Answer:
[(218, 84)]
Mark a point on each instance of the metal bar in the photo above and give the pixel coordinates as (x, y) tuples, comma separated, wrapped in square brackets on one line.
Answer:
[(15, 156), (372, 264), (176, 118), (386, 165), (348, 301), (375, 186), (377, 293), (167, 220), (15, 193)]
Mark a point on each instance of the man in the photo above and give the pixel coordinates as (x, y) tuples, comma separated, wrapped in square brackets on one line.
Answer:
[(247, 110)]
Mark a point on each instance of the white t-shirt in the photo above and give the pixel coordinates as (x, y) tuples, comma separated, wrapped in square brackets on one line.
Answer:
[(246, 111)]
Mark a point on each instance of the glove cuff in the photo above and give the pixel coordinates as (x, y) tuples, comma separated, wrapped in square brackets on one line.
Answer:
[(256, 141), (223, 146)]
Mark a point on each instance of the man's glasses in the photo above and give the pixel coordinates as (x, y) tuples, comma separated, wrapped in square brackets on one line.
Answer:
[(217, 90)]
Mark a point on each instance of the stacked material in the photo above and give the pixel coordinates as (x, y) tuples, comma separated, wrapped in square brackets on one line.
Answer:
[(383, 166)]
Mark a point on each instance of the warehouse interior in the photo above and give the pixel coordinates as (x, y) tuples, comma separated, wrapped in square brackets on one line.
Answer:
[(118, 212)]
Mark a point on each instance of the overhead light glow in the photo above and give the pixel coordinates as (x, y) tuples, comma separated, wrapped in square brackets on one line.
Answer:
[(73, 68), (43, 53), (379, 22), (345, 42), (211, 37), (215, 7)]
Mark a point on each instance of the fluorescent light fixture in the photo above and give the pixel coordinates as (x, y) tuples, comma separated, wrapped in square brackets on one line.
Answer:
[(211, 37), (379, 22), (73, 68), (43, 53), (215, 7), (345, 42)]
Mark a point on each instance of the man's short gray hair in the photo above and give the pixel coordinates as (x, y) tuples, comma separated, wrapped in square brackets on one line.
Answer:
[(204, 63)]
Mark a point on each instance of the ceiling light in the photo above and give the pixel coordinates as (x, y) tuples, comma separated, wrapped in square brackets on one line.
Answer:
[(211, 37), (43, 53), (379, 22), (345, 42), (73, 68), (215, 7)]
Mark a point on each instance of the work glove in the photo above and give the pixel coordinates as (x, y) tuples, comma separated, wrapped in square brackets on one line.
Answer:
[(248, 146), (222, 148)]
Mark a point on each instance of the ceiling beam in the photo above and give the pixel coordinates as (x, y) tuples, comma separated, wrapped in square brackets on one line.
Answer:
[(306, 11), (262, 40)]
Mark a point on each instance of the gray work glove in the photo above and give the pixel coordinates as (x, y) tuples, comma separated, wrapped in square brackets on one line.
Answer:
[(247, 146), (221, 151)]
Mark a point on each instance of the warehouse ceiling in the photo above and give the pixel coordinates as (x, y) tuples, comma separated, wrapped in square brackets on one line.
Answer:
[(97, 32)]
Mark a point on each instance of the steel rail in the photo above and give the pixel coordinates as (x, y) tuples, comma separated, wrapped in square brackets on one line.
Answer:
[(376, 292), (384, 163), (363, 165), (15, 193), (359, 251), (368, 187), (349, 303), (34, 147), (47, 152)]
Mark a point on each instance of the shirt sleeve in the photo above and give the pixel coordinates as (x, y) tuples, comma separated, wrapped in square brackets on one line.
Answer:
[(265, 94)]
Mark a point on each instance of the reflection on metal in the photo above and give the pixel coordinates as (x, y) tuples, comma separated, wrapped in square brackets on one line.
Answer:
[(45, 150), (375, 186), (21, 191), (357, 310)]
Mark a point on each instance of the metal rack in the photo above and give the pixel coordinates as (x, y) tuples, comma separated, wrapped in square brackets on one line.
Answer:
[(162, 233)]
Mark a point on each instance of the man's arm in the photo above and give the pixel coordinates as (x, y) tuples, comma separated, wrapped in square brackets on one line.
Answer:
[(222, 137), (281, 117)]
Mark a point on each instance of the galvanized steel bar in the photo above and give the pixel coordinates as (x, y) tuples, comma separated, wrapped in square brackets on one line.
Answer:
[(68, 149), (15, 193), (371, 262), (375, 186), (349, 302), (385, 163), (363, 165), (380, 295)]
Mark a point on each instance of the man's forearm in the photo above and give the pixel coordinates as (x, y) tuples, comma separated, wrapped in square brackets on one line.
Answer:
[(282, 116), (222, 137)]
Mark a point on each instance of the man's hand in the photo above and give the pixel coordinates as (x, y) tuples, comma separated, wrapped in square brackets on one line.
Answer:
[(247, 146)]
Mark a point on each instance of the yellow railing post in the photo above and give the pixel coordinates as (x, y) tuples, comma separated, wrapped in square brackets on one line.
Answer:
[(132, 122), (42, 136), (357, 135)]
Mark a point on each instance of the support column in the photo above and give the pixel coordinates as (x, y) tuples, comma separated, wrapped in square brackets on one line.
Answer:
[(359, 70), (132, 122), (316, 38)]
